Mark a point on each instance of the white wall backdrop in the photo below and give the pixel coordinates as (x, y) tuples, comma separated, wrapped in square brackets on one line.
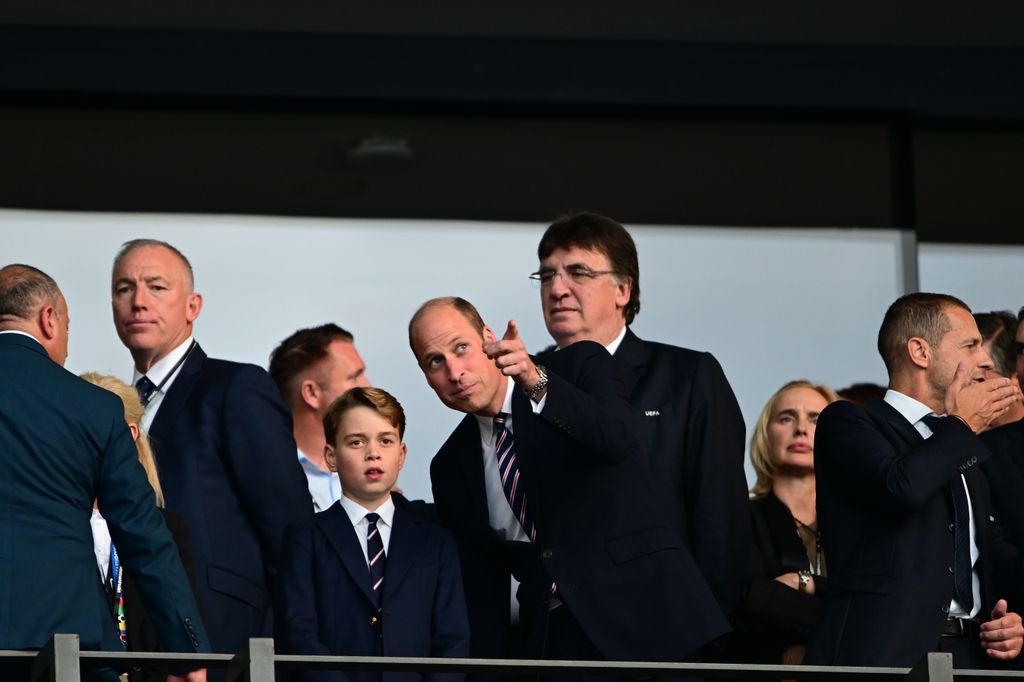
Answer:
[(773, 305), (985, 277)]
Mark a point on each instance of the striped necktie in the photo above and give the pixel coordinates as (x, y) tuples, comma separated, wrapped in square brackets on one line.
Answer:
[(508, 469), (375, 556)]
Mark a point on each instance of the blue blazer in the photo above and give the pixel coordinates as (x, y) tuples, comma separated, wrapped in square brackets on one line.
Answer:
[(224, 448), (329, 608), (63, 444)]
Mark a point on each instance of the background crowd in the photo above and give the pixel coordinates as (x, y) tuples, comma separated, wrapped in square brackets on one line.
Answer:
[(593, 486)]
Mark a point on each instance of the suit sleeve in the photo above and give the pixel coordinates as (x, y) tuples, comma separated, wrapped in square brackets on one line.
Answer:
[(866, 466), (144, 543), (297, 621), (715, 482), (449, 623), (586, 400), (270, 482)]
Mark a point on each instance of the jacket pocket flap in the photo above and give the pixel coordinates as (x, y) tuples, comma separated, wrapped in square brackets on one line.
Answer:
[(234, 585)]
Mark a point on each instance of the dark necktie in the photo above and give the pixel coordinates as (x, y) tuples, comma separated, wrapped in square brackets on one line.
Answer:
[(508, 469), (375, 556), (146, 389), (963, 589)]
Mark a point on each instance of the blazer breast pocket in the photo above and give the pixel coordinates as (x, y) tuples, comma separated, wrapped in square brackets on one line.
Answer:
[(642, 543)]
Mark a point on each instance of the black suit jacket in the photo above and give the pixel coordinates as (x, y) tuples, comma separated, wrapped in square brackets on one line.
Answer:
[(620, 569), (774, 616), (1005, 474), (63, 444), (691, 426), (224, 448), (329, 607), (886, 520)]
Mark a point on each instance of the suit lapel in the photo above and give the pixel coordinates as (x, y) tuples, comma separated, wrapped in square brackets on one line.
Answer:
[(466, 448), (896, 420), (402, 548), (341, 535), (633, 355), (177, 395)]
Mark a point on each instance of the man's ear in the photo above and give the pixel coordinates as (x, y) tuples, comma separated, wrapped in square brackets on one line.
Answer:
[(488, 335), (329, 457), (309, 393), (919, 352), (622, 292), (193, 306), (48, 321)]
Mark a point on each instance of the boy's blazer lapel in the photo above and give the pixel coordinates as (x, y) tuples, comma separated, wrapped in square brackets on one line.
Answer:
[(341, 535)]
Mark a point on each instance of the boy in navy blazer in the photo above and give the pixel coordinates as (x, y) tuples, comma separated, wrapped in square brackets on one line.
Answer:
[(366, 577)]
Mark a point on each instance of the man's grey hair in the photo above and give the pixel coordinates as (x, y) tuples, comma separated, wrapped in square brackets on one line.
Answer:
[(134, 244), (23, 289)]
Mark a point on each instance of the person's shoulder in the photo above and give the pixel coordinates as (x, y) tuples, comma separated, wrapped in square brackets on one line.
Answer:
[(677, 354), (1004, 436)]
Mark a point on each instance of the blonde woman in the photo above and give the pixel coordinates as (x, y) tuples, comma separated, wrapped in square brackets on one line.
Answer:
[(129, 616), (786, 576)]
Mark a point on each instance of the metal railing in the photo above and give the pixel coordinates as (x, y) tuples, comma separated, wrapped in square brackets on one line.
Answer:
[(62, 660)]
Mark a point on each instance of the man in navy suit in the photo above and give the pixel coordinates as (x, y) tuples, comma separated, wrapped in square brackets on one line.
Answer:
[(63, 444), (222, 440), (366, 577), (685, 412), (544, 480), (916, 557)]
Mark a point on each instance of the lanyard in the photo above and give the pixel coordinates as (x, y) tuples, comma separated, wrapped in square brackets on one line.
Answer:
[(117, 581), (179, 363)]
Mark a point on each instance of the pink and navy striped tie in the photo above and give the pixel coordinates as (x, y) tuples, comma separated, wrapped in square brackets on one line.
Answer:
[(508, 469), (375, 556)]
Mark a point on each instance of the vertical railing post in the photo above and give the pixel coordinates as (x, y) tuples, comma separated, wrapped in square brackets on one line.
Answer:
[(58, 661), (254, 665), (936, 667)]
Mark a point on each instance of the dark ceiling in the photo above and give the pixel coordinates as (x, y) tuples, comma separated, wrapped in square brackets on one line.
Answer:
[(727, 113)]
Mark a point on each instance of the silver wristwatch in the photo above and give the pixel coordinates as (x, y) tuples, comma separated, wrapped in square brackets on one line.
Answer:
[(538, 387)]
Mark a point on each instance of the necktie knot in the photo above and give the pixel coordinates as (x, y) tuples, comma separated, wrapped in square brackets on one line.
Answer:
[(373, 518), (932, 420), (146, 389)]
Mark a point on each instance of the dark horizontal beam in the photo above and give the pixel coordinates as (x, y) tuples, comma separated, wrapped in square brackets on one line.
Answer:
[(929, 83)]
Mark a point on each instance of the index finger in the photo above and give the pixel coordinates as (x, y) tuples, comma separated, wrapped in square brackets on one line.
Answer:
[(511, 331)]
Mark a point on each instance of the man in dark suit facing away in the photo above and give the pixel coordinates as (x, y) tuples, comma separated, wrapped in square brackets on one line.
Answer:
[(686, 415), (63, 444), (222, 439), (916, 556), (543, 479)]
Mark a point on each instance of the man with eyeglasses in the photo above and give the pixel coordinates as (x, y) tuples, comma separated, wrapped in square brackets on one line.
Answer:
[(686, 415)]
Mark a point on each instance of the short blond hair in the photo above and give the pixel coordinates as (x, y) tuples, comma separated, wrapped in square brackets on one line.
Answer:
[(759, 448), (133, 411)]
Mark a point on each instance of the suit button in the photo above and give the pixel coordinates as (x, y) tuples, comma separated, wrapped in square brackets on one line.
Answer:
[(373, 621), (188, 622), (945, 609), (546, 554), (950, 568), (951, 528)]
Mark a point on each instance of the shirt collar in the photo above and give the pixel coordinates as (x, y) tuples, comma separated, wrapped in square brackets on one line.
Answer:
[(487, 423), (616, 342), (18, 331), (160, 370), (911, 409), (356, 512)]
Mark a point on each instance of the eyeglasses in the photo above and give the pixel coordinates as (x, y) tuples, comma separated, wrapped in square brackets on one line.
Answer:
[(580, 274)]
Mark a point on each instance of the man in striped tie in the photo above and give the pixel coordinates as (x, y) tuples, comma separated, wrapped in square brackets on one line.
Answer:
[(543, 480)]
